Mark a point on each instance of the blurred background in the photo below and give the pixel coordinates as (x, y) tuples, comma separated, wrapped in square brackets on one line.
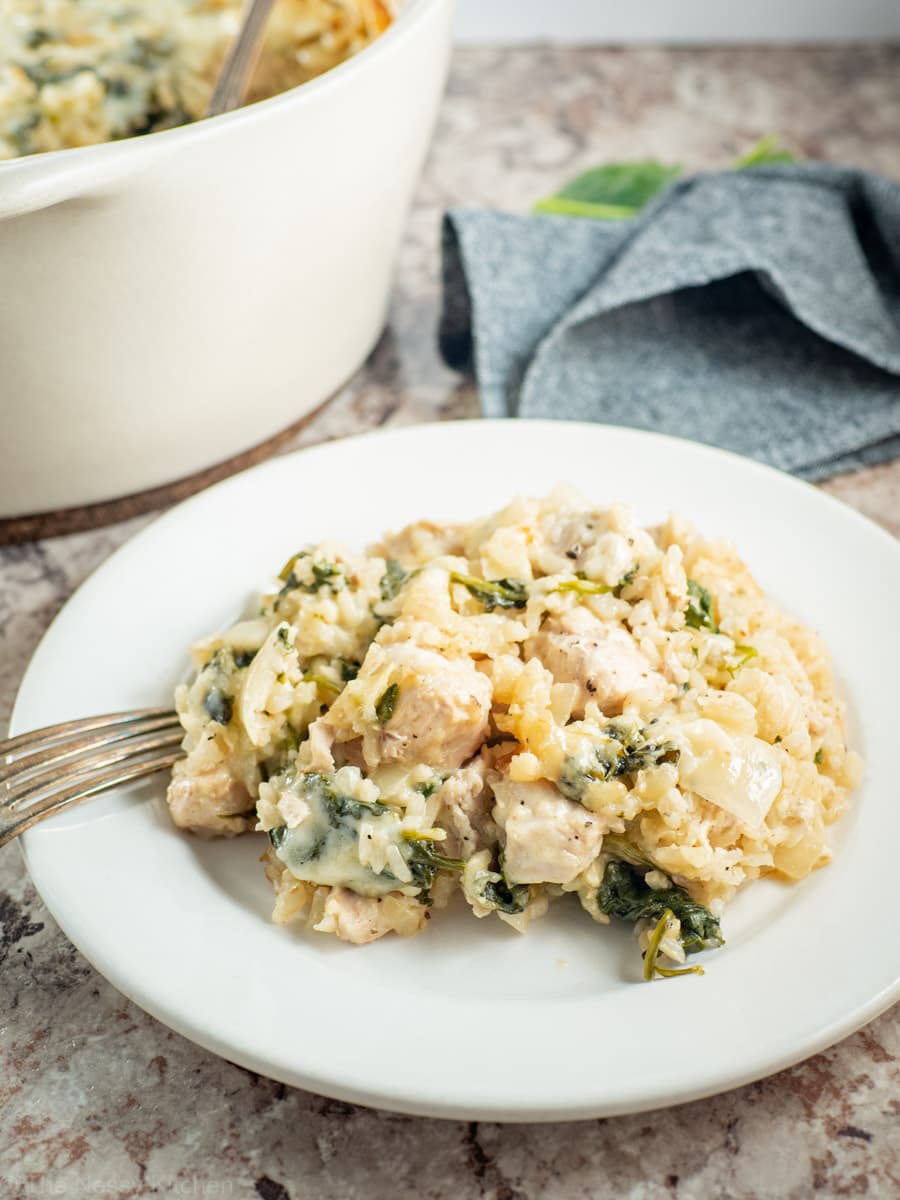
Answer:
[(688, 21), (99, 1098)]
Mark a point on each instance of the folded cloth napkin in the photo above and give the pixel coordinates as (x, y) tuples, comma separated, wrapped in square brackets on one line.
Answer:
[(754, 310)]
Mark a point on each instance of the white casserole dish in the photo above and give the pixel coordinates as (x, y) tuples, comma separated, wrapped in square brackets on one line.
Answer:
[(171, 300)]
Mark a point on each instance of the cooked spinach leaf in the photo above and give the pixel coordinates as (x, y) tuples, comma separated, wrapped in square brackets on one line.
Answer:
[(494, 593), (588, 587), (288, 569), (338, 806), (430, 786), (740, 658), (324, 574), (505, 896), (35, 38), (393, 579), (495, 890), (651, 955), (41, 74), (626, 748), (620, 848), (629, 577), (584, 587), (624, 894), (218, 706), (424, 861), (698, 614), (384, 709), (323, 848), (322, 682)]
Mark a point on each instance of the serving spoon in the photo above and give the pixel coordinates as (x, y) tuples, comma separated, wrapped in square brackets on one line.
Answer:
[(234, 77)]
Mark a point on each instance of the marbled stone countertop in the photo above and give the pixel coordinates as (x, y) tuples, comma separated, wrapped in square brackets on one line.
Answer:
[(98, 1099)]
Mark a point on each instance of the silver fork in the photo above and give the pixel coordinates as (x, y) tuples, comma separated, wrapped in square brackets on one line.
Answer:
[(47, 770)]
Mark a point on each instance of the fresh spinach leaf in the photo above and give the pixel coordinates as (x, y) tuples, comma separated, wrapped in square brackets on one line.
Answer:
[(617, 191), (766, 151), (611, 192)]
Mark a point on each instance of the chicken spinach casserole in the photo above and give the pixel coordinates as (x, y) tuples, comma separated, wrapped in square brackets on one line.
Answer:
[(78, 72), (552, 700)]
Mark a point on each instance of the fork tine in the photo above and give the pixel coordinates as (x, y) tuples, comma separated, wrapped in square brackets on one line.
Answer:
[(111, 778), (55, 733), (34, 779), (48, 750)]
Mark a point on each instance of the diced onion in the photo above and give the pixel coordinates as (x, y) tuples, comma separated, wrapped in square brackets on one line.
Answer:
[(739, 774)]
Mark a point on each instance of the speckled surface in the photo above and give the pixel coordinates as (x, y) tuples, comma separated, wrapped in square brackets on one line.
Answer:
[(98, 1099)]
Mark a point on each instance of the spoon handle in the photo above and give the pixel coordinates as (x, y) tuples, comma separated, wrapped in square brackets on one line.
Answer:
[(238, 66)]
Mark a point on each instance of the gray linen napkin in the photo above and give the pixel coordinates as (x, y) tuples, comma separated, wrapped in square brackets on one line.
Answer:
[(754, 310)]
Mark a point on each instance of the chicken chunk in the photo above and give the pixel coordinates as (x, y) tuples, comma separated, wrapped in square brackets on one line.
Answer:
[(208, 800), (361, 919), (420, 542), (601, 660), (602, 544), (547, 838), (466, 807), (440, 715), (568, 538)]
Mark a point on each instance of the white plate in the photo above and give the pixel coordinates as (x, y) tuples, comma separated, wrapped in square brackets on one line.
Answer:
[(470, 1020)]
